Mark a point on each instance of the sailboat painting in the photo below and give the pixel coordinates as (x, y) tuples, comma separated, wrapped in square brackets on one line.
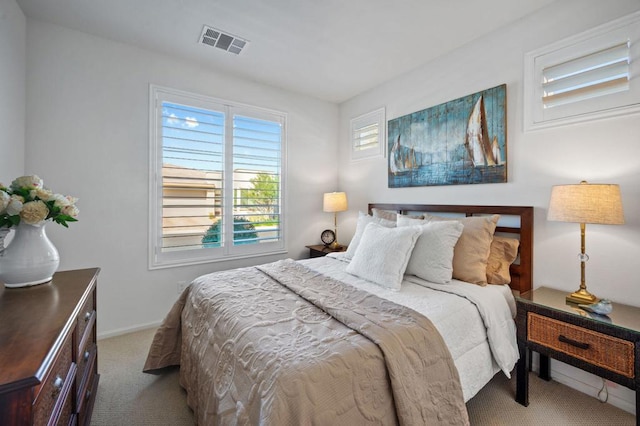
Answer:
[(459, 142)]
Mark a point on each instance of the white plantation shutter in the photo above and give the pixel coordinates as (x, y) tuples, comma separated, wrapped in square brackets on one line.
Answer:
[(368, 135), (596, 74), (585, 77), (217, 180), (257, 166), (192, 179)]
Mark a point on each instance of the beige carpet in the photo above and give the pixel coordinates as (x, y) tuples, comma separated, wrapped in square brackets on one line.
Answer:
[(126, 396)]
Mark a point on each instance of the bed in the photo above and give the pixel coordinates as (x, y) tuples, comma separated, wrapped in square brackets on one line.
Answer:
[(384, 333)]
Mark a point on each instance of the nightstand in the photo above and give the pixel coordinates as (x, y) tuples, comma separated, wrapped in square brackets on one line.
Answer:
[(320, 250), (607, 346)]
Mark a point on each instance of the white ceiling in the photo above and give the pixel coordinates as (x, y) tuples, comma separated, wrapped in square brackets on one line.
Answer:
[(328, 49)]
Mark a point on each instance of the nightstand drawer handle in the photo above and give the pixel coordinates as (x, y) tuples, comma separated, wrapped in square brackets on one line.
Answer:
[(571, 342)]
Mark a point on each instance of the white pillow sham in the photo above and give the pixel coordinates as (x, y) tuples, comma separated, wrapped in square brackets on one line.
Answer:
[(383, 254), (432, 256), (363, 221)]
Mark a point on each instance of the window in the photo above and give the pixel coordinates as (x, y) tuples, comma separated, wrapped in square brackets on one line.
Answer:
[(584, 77), (368, 135), (217, 180)]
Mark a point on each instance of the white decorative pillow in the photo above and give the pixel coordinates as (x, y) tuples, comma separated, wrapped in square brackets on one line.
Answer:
[(383, 254), (432, 256), (363, 221)]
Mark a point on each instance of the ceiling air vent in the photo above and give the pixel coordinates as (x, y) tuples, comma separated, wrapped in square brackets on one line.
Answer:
[(225, 41)]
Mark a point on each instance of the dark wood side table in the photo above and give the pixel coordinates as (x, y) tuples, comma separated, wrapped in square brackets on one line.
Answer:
[(320, 250), (607, 346)]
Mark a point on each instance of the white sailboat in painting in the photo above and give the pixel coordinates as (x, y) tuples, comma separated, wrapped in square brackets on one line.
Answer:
[(482, 151), (495, 149), (401, 158)]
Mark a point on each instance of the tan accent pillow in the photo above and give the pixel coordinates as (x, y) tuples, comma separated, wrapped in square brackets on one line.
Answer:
[(384, 214), (391, 214), (503, 253), (471, 252)]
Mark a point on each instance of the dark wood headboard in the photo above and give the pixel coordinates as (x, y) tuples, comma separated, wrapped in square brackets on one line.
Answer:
[(522, 271)]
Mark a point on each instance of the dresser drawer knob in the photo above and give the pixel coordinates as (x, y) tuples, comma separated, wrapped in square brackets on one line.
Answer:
[(572, 342), (87, 316), (58, 382), (86, 355)]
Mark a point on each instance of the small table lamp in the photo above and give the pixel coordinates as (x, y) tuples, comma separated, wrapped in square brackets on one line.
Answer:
[(334, 202), (585, 203)]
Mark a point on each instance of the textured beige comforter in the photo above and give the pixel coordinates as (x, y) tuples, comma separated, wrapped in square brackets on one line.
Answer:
[(280, 344)]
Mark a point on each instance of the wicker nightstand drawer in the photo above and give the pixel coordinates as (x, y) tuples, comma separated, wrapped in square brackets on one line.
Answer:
[(608, 352)]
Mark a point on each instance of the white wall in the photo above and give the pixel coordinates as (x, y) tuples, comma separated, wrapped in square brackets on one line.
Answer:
[(12, 90), (87, 100), (606, 151)]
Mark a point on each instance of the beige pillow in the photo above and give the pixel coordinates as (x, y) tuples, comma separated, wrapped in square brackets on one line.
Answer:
[(384, 214), (471, 253), (503, 253), (391, 214)]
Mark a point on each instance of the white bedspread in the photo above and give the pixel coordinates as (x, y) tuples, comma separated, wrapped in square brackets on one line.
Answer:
[(475, 322)]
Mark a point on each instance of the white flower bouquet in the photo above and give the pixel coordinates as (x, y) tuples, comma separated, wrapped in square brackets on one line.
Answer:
[(27, 200)]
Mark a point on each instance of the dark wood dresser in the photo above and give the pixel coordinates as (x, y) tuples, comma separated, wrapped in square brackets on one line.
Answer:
[(48, 352)]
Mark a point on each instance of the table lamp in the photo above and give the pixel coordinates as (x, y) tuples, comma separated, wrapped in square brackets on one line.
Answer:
[(334, 202), (585, 203)]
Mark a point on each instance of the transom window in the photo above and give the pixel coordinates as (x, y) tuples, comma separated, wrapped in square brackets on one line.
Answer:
[(588, 76), (368, 135), (217, 184)]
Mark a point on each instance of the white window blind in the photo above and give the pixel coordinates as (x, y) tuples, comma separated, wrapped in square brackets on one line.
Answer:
[(368, 135), (584, 77), (217, 180), (597, 74)]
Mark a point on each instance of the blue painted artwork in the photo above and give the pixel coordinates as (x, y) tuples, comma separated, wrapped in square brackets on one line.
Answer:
[(459, 142)]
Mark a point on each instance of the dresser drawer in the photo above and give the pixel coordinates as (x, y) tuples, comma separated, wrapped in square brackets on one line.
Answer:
[(54, 396), (86, 318), (608, 352), (87, 398), (86, 364)]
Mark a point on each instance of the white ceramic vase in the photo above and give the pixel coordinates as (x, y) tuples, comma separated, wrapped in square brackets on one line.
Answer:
[(29, 259)]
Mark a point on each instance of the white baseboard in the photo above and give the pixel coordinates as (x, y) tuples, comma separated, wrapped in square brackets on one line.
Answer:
[(126, 330), (590, 384), (614, 398)]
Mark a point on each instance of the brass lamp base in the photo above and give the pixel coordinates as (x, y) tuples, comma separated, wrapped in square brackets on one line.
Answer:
[(582, 296), (334, 245)]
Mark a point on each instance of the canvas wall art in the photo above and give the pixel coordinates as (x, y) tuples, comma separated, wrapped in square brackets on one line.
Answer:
[(459, 142)]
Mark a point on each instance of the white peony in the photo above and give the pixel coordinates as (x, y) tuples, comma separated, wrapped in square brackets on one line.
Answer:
[(27, 182), (60, 200), (4, 201), (70, 210), (42, 193), (34, 212), (15, 205)]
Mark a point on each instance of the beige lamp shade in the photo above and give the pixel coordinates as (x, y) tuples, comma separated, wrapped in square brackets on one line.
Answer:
[(586, 203), (334, 202)]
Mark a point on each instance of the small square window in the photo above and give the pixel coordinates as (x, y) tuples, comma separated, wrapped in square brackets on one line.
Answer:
[(585, 77), (368, 135)]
